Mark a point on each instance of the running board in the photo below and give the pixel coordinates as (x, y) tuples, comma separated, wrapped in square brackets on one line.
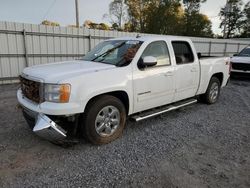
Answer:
[(157, 111)]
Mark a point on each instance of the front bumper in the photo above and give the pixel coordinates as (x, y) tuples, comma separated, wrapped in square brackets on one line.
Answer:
[(48, 129), (38, 116), (43, 126)]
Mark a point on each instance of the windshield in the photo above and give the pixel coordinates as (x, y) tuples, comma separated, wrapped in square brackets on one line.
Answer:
[(245, 52), (114, 52)]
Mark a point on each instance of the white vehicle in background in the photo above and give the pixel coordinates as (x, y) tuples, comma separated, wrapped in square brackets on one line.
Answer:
[(136, 77), (241, 62)]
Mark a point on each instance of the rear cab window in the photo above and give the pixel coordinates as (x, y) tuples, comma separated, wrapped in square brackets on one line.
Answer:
[(183, 52)]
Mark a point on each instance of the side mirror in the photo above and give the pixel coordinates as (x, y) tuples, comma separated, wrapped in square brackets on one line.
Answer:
[(235, 55), (149, 61)]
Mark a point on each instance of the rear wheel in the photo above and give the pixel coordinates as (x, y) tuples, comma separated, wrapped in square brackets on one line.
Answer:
[(104, 120), (213, 91)]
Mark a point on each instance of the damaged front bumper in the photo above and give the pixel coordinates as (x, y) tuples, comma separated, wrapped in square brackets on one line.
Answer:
[(43, 126), (48, 129)]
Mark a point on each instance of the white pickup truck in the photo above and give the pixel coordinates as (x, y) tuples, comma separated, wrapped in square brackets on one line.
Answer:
[(136, 77), (241, 62)]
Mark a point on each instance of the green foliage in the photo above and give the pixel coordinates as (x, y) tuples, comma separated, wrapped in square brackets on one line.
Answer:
[(46, 22), (192, 6), (137, 12), (115, 26), (198, 25), (166, 17), (246, 22), (232, 18), (195, 23), (91, 25), (117, 13), (104, 26)]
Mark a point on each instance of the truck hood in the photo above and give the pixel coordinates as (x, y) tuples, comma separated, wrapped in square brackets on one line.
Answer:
[(240, 59), (55, 72)]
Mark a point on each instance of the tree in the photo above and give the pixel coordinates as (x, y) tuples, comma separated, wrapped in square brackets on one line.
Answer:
[(115, 26), (127, 27), (192, 6), (50, 23), (246, 22), (169, 17), (117, 13), (137, 10), (195, 23), (164, 17), (232, 18), (103, 26), (91, 25)]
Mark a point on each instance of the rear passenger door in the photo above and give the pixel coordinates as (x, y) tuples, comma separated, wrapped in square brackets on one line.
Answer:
[(187, 70)]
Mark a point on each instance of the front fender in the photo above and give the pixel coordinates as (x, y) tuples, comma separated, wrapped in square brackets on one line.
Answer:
[(88, 86)]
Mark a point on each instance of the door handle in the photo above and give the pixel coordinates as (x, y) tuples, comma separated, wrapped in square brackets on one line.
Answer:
[(169, 73)]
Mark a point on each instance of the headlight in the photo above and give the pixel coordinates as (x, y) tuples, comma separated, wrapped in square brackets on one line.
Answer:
[(58, 93)]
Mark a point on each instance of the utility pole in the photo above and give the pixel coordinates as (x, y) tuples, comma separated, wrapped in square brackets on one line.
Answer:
[(77, 13)]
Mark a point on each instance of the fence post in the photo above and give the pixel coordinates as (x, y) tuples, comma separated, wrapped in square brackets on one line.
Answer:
[(225, 49), (210, 46), (238, 49), (26, 55), (89, 42)]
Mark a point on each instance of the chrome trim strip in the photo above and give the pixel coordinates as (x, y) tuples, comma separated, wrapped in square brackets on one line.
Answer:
[(139, 118)]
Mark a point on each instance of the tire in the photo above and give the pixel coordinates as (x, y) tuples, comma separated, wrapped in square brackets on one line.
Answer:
[(104, 120), (213, 91)]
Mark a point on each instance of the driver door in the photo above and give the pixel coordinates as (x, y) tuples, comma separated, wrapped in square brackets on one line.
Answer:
[(154, 86)]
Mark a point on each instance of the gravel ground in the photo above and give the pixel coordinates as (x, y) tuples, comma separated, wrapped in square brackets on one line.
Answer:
[(197, 146)]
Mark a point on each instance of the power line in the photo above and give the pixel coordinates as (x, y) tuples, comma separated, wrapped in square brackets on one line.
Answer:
[(77, 13), (48, 10)]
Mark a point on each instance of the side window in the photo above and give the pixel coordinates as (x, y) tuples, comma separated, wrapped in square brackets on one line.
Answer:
[(183, 52), (159, 50)]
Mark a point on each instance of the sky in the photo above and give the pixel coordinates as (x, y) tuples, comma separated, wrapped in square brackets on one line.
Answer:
[(63, 11)]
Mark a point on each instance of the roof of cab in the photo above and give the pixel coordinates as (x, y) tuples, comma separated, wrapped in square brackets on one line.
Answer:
[(151, 37)]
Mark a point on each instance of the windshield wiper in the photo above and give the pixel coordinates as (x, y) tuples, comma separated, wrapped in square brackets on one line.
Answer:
[(109, 51)]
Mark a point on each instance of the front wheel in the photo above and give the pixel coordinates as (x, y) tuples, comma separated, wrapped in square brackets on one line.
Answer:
[(104, 120), (213, 91)]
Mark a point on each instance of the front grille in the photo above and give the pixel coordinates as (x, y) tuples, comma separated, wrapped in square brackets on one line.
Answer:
[(241, 66), (30, 89)]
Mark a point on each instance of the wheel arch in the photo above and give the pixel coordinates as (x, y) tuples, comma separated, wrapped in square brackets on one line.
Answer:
[(120, 94), (220, 77)]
